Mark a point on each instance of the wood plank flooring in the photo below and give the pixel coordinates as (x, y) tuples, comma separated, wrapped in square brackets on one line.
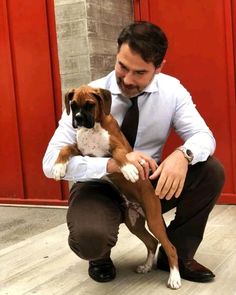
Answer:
[(44, 265)]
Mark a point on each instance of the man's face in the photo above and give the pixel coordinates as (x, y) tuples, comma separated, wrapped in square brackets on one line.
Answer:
[(133, 74)]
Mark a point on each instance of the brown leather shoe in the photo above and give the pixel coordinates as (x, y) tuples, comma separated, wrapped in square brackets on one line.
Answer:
[(189, 270)]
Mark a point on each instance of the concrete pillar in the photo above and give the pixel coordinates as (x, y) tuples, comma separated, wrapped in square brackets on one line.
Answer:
[(87, 31)]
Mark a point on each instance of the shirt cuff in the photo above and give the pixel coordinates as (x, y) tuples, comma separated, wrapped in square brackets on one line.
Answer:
[(96, 167), (199, 154)]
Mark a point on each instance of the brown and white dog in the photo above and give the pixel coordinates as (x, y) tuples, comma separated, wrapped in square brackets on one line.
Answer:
[(98, 135)]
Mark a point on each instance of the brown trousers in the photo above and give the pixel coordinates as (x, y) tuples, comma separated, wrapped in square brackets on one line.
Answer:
[(96, 210)]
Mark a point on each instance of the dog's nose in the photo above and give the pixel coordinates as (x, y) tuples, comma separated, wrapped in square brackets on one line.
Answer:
[(79, 118), (83, 119)]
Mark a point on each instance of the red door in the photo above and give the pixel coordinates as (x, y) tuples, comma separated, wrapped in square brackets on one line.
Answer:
[(201, 54), (30, 100)]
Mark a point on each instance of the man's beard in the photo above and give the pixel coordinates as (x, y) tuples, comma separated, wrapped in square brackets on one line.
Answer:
[(127, 90)]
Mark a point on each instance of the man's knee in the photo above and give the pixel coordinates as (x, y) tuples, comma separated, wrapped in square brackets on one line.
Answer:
[(205, 179), (93, 219), (216, 174), (90, 244)]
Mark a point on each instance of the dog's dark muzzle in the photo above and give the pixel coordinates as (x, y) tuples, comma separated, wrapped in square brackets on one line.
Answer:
[(83, 119)]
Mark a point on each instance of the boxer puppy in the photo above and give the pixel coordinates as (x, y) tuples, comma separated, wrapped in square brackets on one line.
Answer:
[(99, 135)]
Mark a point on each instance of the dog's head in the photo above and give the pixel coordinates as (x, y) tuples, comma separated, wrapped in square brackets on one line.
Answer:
[(87, 104)]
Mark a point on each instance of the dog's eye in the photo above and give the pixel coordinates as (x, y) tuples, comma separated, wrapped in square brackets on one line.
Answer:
[(89, 106)]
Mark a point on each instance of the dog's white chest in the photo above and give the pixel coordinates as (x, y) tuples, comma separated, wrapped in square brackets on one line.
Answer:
[(94, 141)]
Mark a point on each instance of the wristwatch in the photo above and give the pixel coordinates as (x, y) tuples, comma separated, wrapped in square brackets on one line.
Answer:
[(187, 153)]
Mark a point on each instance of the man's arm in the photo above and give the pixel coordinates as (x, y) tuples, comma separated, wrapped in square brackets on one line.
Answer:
[(192, 128), (79, 168), (197, 137)]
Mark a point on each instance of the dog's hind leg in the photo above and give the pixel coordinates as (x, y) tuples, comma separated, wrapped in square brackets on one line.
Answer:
[(135, 222), (157, 227)]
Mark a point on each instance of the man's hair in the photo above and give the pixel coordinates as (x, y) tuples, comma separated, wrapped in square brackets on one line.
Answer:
[(146, 39)]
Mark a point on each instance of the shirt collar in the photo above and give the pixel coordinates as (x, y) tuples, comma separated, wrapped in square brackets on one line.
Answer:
[(152, 86), (114, 88)]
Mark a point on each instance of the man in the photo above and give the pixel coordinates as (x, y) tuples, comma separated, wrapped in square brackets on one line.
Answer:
[(189, 179)]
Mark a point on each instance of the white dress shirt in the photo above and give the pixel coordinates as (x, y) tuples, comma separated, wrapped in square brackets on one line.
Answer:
[(164, 104)]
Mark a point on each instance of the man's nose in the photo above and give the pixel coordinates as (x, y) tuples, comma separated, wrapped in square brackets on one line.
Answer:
[(129, 78)]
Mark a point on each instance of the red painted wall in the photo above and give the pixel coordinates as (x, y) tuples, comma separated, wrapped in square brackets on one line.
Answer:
[(202, 55), (30, 100)]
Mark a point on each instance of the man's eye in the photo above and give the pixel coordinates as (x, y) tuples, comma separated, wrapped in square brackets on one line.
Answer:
[(123, 67), (140, 73)]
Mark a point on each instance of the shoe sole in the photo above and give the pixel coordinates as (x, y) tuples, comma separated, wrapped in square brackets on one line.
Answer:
[(102, 281)]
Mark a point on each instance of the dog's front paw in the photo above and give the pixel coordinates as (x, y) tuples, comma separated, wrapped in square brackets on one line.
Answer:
[(59, 170), (174, 281), (130, 172)]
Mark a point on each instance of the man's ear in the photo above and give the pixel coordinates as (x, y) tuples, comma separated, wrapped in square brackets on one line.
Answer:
[(68, 97), (159, 69), (105, 100)]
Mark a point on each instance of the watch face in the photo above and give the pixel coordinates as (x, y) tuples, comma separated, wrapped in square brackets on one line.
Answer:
[(189, 153)]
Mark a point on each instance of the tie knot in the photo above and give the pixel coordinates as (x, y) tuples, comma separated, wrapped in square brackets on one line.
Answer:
[(134, 100)]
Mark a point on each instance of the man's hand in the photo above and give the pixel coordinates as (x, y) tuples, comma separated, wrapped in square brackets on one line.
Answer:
[(142, 162), (172, 173)]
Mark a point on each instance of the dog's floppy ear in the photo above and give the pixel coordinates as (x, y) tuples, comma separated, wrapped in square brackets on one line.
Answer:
[(68, 97), (105, 96)]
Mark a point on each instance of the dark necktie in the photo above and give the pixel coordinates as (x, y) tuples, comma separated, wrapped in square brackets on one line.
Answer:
[(130, 123)]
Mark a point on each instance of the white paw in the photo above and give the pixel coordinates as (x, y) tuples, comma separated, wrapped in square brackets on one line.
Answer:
[(59, 170), (130, 172), (147, 266), (174, 281), (144, 268)]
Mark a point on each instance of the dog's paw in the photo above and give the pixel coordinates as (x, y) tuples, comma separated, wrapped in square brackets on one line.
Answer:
[(147, 266), (59, 170), (144, 268), (130, 172), (174, 281)]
